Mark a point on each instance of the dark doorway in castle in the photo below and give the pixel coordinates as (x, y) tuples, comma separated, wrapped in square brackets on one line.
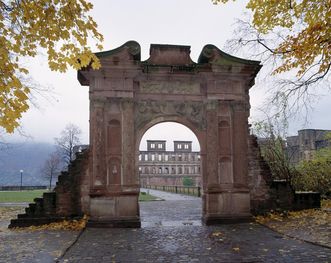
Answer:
[(169, 167)]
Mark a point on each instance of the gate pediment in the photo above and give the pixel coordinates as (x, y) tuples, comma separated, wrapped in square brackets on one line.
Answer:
[(169, 55)]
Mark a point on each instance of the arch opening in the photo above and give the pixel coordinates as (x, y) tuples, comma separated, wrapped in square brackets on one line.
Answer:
[(169, 160)]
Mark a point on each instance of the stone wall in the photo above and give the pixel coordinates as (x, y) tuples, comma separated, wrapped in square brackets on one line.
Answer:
[(259, 178), (267, 194), (69, 199), (72, 188)]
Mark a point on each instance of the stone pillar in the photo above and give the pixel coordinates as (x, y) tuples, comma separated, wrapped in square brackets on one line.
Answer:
[(211, 209), (115, 190), (226, 195)]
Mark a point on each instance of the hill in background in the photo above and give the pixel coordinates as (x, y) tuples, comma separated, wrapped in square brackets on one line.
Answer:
[(29, 157)]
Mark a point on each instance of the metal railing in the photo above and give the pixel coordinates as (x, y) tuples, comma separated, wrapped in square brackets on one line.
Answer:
[(186, 190)]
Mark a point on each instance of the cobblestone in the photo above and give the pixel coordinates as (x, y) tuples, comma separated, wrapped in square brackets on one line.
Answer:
[(158, 241), (236, 243), (30, 246)]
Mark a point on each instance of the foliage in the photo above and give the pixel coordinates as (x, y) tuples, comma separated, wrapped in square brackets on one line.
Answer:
[(315, 174), (143, 196), (61, 28), (272, 134), (188, 181), (70, 137), (9, 212), (19, 196), (52, 167), (294, 36), (311, 225), (72, 225)]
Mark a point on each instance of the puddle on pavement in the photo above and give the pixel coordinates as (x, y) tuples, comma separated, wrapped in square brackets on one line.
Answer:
[(177, 223)]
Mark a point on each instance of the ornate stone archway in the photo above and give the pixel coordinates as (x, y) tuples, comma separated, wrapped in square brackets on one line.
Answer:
[(128, 95)]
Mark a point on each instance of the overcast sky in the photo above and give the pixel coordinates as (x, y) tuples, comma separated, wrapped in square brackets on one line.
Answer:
[(185, 22)]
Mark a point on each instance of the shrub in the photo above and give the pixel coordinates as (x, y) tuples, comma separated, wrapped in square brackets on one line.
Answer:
[(188, 181)]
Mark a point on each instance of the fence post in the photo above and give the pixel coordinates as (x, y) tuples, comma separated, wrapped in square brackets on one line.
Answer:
[(199, 192)]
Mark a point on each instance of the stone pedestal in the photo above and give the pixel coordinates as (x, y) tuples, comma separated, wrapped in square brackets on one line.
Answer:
[(227, 207), (116, 211)]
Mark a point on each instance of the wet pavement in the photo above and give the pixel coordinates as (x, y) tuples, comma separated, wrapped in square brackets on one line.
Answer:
[(170, 211), (43, 246), (23, 204), (170, 196), (30, 246), (172, 232)]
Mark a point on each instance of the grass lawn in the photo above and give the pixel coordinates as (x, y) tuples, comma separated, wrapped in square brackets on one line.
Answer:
[(147, 197), (20, 196)]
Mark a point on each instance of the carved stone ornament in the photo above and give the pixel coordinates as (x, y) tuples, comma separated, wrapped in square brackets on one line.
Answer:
[(148, 110), (165, 87)]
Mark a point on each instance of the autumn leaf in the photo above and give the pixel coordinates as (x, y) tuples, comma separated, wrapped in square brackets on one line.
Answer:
[(217, 234), (305, 39), (62, 28), (73, 225)]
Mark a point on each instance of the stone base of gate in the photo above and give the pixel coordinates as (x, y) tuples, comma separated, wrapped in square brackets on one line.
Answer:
[(227, 207), (114, 211)]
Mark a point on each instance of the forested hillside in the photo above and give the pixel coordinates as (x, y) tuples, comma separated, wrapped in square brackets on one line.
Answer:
[(29, 157)]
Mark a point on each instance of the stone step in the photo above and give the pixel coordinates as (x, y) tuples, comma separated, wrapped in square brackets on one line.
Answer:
[(38, 200), (22, 216), (31, 209)]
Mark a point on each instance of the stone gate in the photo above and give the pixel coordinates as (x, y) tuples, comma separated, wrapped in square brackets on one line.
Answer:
[(128, 96)]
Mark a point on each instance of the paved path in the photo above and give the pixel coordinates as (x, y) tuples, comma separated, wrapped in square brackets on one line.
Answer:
[(14, 204), (170, 196), (168, 236), (170, 211), (28, 246)]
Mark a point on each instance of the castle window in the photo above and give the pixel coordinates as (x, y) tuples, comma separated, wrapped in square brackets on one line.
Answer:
[(139, 157), (186, 146), (180, 170), (160, 170), (153, 157), (173, 157), (166, 157), (153, 145), (160, 157), (179, 157), (173, 170), (146, 157), (166, 170), (179, 146), (159, 146)]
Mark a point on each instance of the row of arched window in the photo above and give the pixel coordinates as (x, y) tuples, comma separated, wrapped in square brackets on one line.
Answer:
[(169, 169), (168, 157)]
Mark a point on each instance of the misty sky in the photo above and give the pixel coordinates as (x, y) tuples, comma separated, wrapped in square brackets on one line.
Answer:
[(185, 22)]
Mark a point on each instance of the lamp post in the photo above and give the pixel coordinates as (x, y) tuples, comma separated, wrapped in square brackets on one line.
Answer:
[(21, 171)]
